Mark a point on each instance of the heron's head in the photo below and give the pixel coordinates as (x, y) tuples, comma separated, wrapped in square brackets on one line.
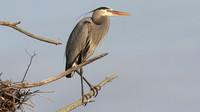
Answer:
[(106, 11)]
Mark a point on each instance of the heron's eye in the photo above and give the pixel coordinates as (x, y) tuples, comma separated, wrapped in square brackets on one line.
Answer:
[(108, 10)]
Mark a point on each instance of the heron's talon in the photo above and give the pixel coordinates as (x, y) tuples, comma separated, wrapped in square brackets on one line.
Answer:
[(95, 90), (85, 100)]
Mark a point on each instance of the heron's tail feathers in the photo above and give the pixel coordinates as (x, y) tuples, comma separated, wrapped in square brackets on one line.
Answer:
[(70, 75)]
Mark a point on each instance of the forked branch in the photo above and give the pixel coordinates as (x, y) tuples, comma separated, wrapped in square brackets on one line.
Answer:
[(89, 95), (14, 26), (32, 56)]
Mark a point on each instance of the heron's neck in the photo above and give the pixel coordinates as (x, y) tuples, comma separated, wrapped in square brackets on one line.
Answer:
[(101, 20)]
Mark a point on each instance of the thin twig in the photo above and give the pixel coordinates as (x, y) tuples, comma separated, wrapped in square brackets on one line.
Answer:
[(44, 97), (32, 56), (89, 95), (45, 91), (14, 26), (26, 106), (54, 78)]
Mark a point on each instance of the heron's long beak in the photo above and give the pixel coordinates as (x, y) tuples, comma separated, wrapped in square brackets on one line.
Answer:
[(120, 13)]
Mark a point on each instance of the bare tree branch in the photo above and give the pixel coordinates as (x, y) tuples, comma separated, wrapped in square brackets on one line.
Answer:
[(14, 26), (89, 95), (32, 56), (54, 78)]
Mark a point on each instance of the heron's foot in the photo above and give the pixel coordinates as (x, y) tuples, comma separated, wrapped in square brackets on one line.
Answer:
[(95, 90), (84, 100)]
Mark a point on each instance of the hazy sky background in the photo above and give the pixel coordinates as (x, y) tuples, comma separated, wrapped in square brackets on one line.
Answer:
[(155, 51)]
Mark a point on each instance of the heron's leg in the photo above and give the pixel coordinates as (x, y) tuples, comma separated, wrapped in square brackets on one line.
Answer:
[(82, 91), (81, 74), (84, 79), (93, 88)]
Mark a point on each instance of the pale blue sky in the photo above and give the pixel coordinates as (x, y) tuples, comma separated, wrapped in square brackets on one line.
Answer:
[(155, 51)]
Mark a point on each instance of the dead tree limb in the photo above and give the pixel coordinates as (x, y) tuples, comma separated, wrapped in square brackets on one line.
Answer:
[(14, 26), (89, 95), (32, 56), (54, 78)]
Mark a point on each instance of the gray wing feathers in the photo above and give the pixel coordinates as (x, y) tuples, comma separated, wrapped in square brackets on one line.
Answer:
[(76, 42)]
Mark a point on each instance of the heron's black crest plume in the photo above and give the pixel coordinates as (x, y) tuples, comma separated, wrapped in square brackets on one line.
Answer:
[(101, 8), (85, 14)]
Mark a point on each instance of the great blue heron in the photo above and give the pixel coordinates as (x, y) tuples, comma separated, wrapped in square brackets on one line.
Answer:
[(86, 36)]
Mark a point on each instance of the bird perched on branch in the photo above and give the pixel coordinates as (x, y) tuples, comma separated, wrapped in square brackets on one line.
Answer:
[(85, 38)]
